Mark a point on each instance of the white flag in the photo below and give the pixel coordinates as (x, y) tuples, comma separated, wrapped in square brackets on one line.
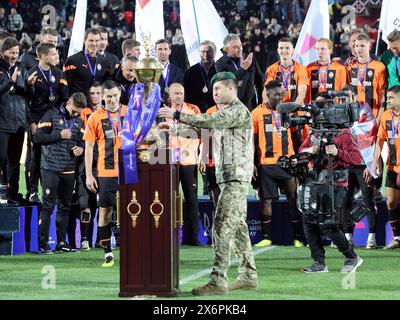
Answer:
[(78, 29), (200, 21), (390, 17), (316, 26), (149, 22)]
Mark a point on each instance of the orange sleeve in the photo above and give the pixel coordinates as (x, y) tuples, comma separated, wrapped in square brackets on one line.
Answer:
[(302, 75), (382, 79), (254, 117), (90, 131), (343, 78), (196, 110), (382, 134), (270, 74)]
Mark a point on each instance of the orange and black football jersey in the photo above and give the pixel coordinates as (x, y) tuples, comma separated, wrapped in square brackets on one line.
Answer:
[(273, 140), (389, 131), (85, 114), (108, 137), (368, 79), (298, 76), (325, 78)]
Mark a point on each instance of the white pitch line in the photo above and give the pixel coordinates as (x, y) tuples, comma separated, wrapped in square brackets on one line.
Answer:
[(208, 271)]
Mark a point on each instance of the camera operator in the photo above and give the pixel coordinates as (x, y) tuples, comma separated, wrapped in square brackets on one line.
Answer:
[(271, 141), (360, 175), (388, 131), (344, 152)]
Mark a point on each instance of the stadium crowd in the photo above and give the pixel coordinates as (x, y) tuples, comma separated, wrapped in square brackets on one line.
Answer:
[(71, 108)]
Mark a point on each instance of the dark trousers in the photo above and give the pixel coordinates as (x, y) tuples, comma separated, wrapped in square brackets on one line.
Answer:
[(32, 165), (313, 233), (188, 179), (356, 179), (56, 186), (10, 154)]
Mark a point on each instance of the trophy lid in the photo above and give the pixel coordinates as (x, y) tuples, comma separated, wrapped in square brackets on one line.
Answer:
[(148, 69)]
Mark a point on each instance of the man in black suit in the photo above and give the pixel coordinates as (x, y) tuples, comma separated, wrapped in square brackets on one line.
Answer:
[(197, 79), (171, 73), (247, 71)]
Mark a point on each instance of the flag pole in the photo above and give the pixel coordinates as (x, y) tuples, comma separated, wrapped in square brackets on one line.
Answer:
[(377, 42)]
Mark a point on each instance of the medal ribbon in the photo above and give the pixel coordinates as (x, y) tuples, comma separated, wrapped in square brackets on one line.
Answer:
[(362, 77), (92, 70), (324, 79), (47, 80), (71, 124), (286, 76)]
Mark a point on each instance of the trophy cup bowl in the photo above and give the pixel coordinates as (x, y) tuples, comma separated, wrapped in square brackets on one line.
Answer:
[(148, 71)]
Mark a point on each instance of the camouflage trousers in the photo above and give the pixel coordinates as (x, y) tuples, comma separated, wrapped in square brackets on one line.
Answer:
[(230, 227)]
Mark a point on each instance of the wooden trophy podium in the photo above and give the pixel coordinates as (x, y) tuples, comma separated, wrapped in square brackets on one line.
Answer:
[(150, 214)]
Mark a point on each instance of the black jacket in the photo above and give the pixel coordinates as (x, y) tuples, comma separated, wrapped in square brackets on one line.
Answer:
[(175, 75), (13, 103), (125, 86), (194, 83), (56, 152), (247, 80), (78, 74), (40, 102), (29, 59)]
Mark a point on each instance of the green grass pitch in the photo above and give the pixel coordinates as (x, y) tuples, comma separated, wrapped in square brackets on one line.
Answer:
[(79, 276)]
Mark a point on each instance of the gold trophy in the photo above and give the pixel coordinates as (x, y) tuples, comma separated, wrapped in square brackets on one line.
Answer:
[(148, 71)]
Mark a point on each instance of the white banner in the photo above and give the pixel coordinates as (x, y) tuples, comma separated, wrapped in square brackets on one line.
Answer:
[(390, 17), (78, 29), (316, 26), (149, 22), (200, 21)]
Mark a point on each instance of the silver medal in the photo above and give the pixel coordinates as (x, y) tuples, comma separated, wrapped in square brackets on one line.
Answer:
[(166, 89), (391, 141), (52, 98), (205, 89)]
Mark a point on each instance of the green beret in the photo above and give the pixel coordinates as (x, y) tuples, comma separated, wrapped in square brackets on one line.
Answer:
[(222, 76)]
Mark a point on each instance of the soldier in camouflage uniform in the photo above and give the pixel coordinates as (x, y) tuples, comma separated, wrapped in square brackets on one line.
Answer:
[(233, 152)]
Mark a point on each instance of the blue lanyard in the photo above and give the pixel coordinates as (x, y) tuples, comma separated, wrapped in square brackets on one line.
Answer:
[(115, 128), (324, 74), (395, 127), (47, 80), (166, 78), (286, 76), (8, 74), (71, 124), (92, 70), (204, 76), (130, 89), (236, 66), (362, 77)]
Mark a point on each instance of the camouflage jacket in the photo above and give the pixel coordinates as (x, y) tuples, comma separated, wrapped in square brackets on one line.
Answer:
[(232, 133)]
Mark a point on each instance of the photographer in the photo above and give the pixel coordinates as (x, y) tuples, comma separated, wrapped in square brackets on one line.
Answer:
[(364, 133), (344, 152)]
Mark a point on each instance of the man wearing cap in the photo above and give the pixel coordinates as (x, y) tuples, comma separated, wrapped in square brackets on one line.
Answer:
[(233, 152)]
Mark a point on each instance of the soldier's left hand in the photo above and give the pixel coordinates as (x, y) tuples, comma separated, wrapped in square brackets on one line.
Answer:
[(166, 113), (77, 151), (331, 150)]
